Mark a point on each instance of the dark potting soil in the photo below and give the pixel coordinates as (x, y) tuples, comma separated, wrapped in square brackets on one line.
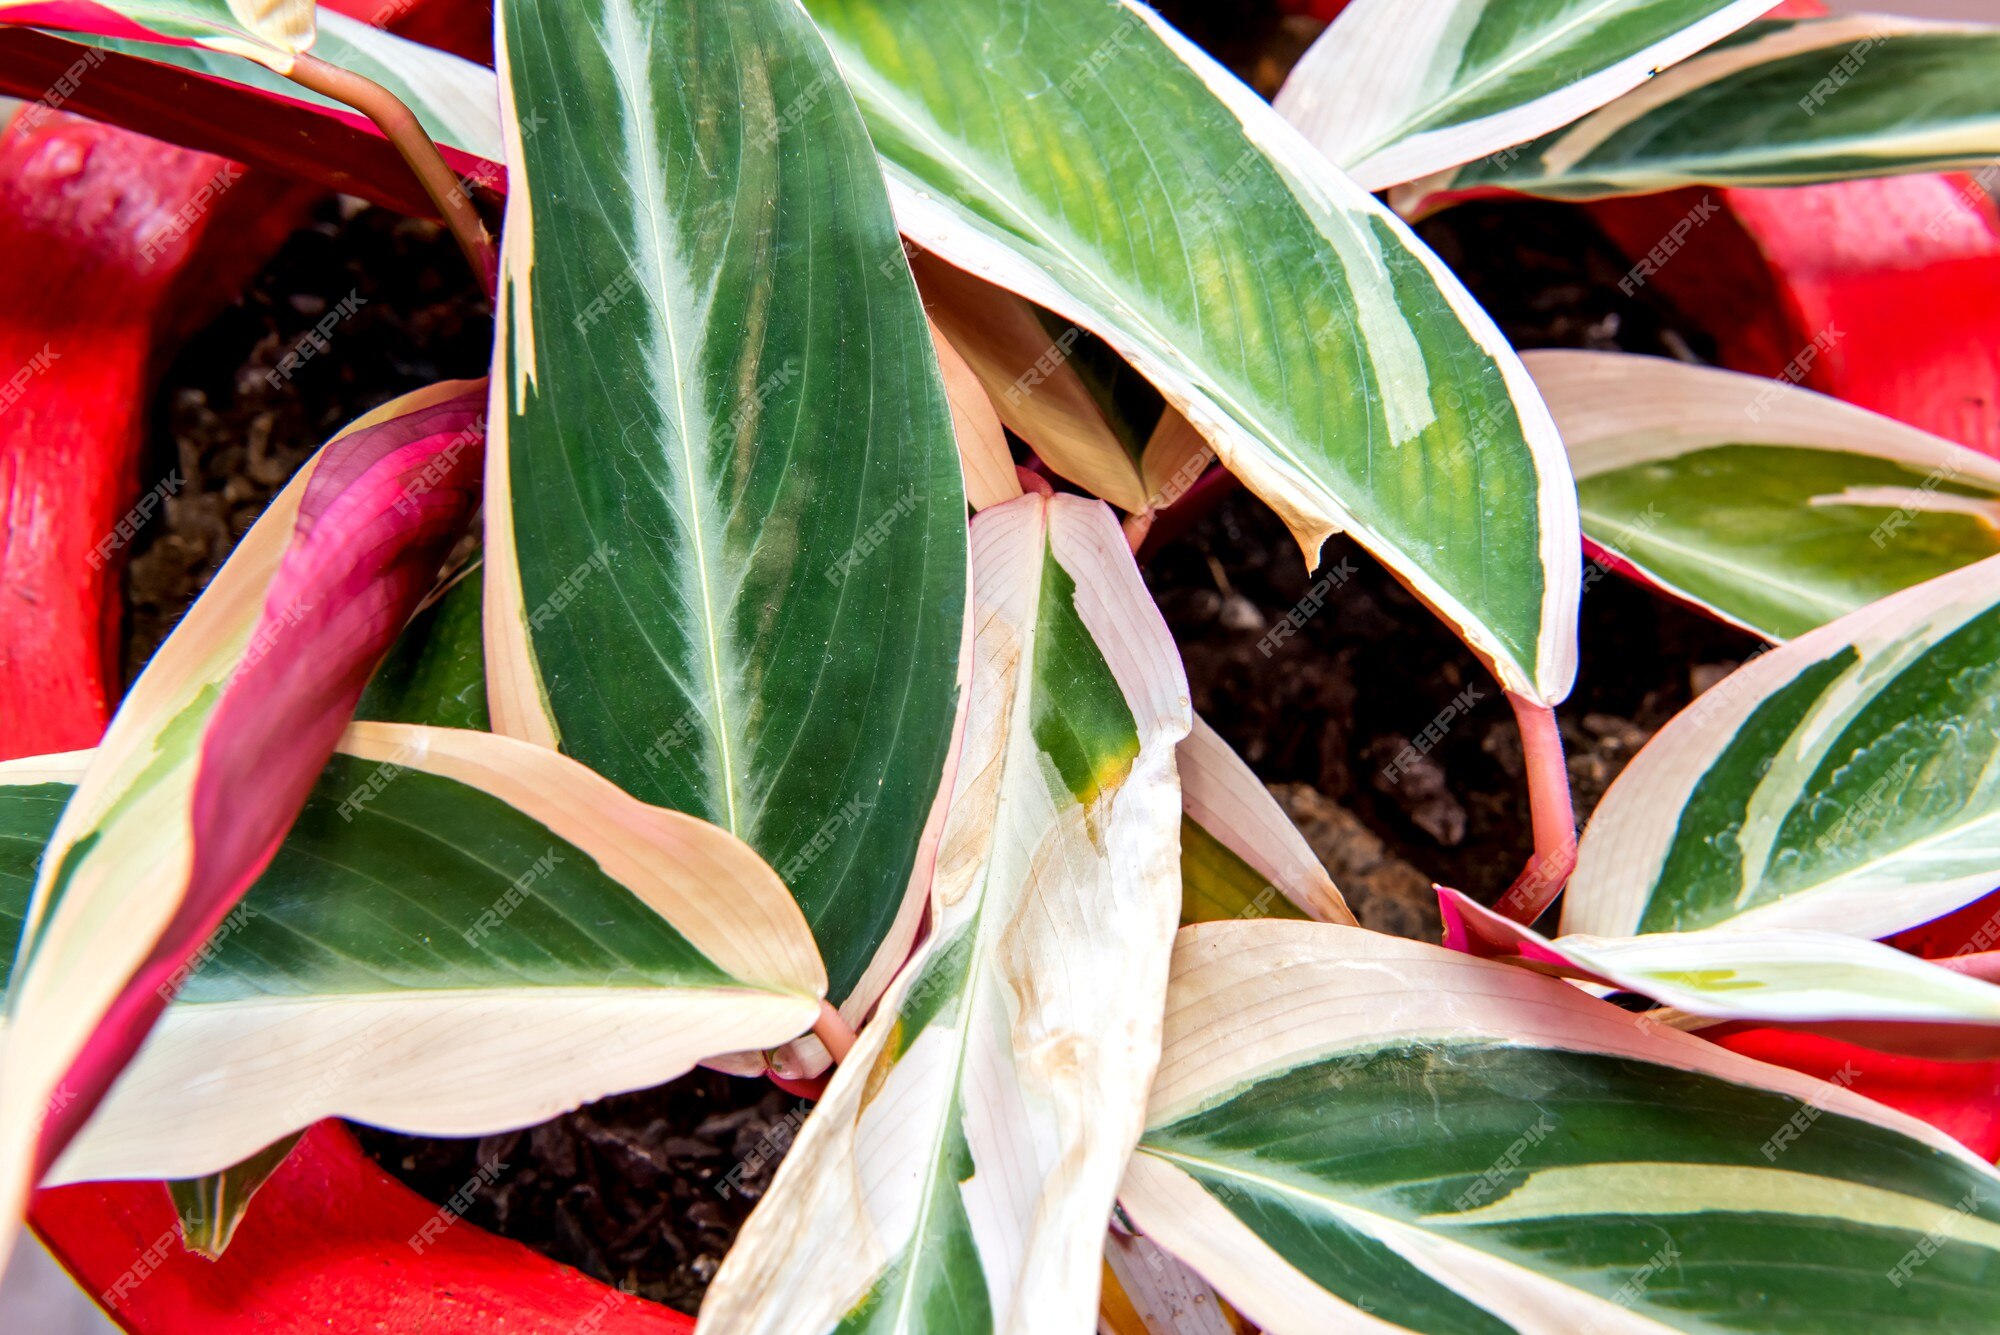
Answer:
[(235, 417), (647, 1190)]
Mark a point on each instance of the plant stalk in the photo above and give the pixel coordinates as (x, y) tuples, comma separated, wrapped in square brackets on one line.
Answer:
[(1137, 526), (402, 128), (834, 1032), (1550, 810)]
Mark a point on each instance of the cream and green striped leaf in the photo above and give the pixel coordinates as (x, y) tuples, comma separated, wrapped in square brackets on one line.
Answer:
[(461, 934), (958, 1174), (1354, 1132), (1084, 155), (1241, 856), (1780, 103), (1847, 781), (725, 522), (1762, 503), (270, 32), (1398, 89)]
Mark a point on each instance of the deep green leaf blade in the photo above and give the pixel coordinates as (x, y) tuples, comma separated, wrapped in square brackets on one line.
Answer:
[(726, 547), (1085, 156), (1345, 1123), (436, 672), (211, 1208)]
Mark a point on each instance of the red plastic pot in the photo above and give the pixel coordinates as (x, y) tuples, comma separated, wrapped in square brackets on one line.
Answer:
[(1894, 282), (332, 1243)]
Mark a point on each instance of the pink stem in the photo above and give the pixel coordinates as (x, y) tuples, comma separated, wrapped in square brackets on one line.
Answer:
[(834, 1031), (1549, 808)]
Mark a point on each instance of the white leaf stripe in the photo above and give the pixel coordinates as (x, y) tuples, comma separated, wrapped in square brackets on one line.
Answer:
[(214, 1078), (1616, 410)]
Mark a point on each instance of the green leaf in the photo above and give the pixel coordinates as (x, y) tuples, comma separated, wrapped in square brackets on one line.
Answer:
[(958, 1173), (461, 934), (1397, 89), (436, 673), (1847, 781), (1083, 155), (726, 542), (1781, 103), (1345, 1123), (212, 1207), (1762, 503), (269, 32)]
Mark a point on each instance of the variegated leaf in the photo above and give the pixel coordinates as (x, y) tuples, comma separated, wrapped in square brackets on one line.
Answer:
[(215, 749), (725, 521), (1241, 856), (270, 32), (1823, 982), (958, 1173), (1354, 1132), (1332, 361), (1759, 502), (1780, 103), (1397, 89), (461, 934), (1847, 781)]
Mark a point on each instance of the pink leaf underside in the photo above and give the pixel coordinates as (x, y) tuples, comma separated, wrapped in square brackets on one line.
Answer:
[(1473, 929), (378, 518), (83, 16)]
